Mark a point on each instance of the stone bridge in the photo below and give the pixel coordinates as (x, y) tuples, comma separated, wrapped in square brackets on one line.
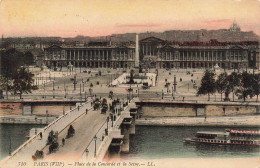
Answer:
[(97, 136)]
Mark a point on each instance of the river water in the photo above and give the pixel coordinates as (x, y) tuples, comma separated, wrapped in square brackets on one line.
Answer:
[(153, 142), (17, 134), (149, 142)]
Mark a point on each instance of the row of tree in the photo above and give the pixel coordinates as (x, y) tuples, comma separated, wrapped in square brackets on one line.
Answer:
[(21, 81), (243, 85), (11, 60)]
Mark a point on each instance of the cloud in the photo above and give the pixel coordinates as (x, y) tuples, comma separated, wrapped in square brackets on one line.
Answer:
[(219, 21), (137, 25)]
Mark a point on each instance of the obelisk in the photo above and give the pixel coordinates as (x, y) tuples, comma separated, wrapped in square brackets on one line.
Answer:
[(136, 52)]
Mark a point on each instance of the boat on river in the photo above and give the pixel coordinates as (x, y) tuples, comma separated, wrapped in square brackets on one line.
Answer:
[(228, 137)]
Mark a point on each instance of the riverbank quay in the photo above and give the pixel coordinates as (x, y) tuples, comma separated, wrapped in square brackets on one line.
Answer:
[(171, 108), (213, 121), (22, 119)]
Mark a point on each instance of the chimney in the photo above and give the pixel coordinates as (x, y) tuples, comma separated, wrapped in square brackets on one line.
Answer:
[(137, 51)]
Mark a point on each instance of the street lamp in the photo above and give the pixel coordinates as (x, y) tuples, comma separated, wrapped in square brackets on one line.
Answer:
[(162, 94), (10, 146), (95, 152), (80, 89), (107, 125), (172, 92), (53, 90), (80, 99), (87, 151), (46, 116), (112, 120)]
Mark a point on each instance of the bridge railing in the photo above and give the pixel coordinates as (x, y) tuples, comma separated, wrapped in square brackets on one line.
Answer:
[(63, 121)]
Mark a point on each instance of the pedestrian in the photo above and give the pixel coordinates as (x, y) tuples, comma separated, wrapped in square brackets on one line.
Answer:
[(41, 135), (205, 118), (86, 111), (63, 141), (78, 107)]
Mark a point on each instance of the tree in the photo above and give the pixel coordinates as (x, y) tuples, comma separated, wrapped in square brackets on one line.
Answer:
[(207, 84), (221, 83), (5, 84), (245, 87), (232, 84), (256, 85), (22, 82)]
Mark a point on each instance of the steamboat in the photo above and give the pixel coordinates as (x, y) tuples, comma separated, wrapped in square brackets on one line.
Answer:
[(228, 137)]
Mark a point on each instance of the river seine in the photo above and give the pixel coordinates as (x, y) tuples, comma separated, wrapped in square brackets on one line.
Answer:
[(17, 134), (149, 142), (153, 142)]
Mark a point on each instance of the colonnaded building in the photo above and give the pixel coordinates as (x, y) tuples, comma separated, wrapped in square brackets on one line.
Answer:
[(157, 53)]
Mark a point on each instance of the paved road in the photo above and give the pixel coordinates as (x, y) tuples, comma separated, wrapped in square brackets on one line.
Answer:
[(85, 129)]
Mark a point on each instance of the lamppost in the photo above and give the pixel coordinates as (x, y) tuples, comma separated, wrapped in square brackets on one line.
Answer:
[(10, 146), (107, 125), (53, 90), (80, 89), (172, 92), (44, 90), (74, 82), (112, 120), (80, 99), (46, 77), (87, 151), (162, 94), (130, 90), (95, 152), (46, 116), (174, 83)]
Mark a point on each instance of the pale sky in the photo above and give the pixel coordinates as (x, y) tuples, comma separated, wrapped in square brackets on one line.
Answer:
[(68, 18)]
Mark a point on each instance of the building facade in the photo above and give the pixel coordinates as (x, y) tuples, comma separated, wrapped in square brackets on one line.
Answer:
[(163, 54), (91, 57), (158, 53)]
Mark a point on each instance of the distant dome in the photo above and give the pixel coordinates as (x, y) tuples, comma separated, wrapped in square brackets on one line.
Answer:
[(234, 27)]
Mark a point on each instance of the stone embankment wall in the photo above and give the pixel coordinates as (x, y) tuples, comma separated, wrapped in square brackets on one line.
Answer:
[(11, 109), (16, 108), (192, 110), (219, 110), (52, 109), (168, 111)]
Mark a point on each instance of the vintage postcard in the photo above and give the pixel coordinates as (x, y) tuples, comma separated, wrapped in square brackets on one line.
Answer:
[(130, 83)]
